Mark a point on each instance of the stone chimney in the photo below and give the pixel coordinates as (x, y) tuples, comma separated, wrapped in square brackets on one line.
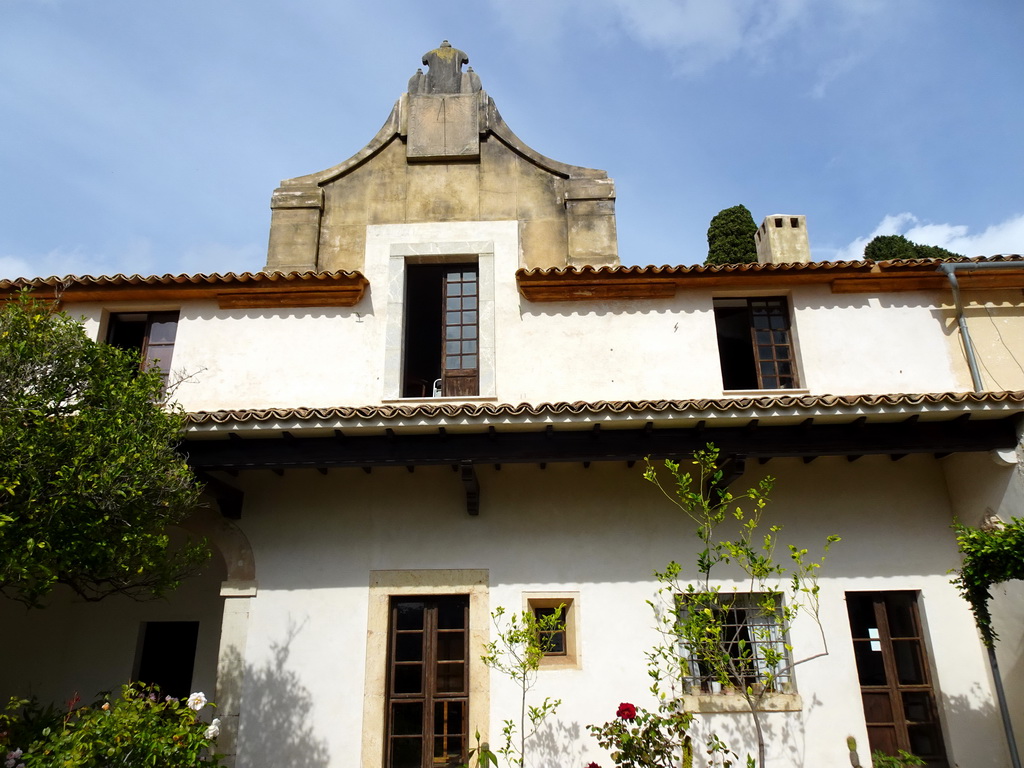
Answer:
[(783, 240)]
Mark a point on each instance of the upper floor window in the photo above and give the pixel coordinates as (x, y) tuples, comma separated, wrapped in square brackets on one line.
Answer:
[(755, 344), (441, 337), (151, 334)]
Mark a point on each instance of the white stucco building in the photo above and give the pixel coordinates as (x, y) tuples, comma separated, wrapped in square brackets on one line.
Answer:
[(436, 399)]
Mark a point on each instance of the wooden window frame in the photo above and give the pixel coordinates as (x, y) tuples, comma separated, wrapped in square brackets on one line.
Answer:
[(156, 354), (429, 696), (770, 346), (895, 690), (441, 330)]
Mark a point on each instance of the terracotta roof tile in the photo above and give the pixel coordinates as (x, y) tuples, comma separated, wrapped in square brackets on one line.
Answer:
[(752, 407), (225, 279)]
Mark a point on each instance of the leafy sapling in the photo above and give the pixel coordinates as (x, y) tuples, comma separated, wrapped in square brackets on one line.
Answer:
[(522, 640)]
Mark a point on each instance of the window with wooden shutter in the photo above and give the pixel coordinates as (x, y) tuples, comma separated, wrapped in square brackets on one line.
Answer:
[(428, 682), (895, 676), (441, 339), (151, 334), (755, 343)]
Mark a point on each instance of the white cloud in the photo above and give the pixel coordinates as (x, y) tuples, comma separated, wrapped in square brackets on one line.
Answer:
[(699, 34), (1006, 237)]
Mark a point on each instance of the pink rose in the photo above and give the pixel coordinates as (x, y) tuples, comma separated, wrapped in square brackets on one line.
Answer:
[(626, 711)]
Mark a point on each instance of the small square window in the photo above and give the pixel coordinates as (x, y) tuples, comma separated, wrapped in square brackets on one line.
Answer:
[(560, 641)]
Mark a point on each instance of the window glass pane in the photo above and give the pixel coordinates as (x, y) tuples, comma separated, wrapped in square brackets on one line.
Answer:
[(900, 612), (451, 646), (453, 303), (469, 302), (409, 646), (454, 289), (923, 740), (908, 662), (469, 346), (469, 361), (406, 753), (408, 678), (163, 331), (451, 613), (451, 677), (870, 666), (469, 318), (409, 615), (917, 706), (453, 332), (406, 718)]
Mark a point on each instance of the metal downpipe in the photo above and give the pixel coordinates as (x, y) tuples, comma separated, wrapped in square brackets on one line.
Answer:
[(949, 269)]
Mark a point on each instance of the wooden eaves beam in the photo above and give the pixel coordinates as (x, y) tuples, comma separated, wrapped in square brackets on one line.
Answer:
[(553, 446)]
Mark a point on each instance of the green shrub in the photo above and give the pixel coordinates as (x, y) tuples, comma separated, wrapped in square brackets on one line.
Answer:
[(141, 729)]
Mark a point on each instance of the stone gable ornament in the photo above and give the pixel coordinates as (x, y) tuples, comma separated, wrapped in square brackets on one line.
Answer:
[(444, 73)]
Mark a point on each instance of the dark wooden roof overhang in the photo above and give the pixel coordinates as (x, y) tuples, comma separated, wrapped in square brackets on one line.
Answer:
[(623, 283), (241, 443), (248, 290)]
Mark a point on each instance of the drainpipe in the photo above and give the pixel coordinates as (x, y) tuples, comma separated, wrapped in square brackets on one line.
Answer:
[(950, 269)]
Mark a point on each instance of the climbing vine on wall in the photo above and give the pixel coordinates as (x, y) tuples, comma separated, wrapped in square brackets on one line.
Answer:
[(990, 557)]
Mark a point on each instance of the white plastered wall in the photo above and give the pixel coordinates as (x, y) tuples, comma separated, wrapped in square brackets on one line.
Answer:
[(598, 533), (536, 351), (76, 647)]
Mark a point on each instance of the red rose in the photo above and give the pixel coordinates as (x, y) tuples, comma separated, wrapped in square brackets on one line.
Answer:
[(626, 711), (593, 765)]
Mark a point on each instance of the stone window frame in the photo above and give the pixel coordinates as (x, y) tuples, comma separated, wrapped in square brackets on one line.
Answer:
[(479, 252), (385, 584), (571, 659)]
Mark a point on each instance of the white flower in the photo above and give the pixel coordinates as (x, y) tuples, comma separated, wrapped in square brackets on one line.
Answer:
[(196, 701), (10, 762), (214, 730)]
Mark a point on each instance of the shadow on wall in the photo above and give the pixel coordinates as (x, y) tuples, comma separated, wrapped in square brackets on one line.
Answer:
[(973, 723), (558, 744), (276, 715)]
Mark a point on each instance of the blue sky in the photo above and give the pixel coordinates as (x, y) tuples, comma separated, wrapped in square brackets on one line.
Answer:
[(147, 137)]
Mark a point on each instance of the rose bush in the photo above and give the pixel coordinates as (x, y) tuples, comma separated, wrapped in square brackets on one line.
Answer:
[(637, 738)]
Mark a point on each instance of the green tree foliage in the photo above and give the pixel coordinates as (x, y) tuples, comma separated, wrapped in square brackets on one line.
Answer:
[(897, 247), (89, 475), (693, 613), (731, 237), (990, 557)]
